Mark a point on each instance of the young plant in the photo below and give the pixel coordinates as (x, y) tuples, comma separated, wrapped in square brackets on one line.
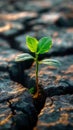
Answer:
[(38, 47)]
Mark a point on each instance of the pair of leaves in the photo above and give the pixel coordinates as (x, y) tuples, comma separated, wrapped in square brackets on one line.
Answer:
[(26, 56), (39, 47)]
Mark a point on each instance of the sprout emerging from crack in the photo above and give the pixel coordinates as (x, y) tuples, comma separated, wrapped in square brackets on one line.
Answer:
[(38, 47)]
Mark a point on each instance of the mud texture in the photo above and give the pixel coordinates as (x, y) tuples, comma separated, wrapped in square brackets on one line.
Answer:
[(18, 110)]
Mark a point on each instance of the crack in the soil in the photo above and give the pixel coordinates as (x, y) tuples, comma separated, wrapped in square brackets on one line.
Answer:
[(10, 106)]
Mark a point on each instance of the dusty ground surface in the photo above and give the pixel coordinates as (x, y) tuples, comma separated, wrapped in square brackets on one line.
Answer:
[(36, 18)]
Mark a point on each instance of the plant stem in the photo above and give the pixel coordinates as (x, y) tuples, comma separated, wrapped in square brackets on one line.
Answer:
[(37, 88)]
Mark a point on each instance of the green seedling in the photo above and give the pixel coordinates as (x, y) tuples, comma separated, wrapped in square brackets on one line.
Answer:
[(38, 47)]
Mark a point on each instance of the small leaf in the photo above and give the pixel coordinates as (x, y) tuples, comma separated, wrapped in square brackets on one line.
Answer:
[(24, 56), (44, 45), (32, 90), (31, 43), (50, 62)]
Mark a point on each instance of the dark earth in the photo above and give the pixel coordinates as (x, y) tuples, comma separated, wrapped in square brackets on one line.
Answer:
[(38, 18)]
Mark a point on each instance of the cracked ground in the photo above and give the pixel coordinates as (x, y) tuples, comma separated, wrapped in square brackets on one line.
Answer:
[(37, 18)]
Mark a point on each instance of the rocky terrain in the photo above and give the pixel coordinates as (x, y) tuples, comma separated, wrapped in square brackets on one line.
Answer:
[(36, 18)]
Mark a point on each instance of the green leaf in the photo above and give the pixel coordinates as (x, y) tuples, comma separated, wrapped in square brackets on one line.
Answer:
[(24, 56), (32, 90), (31, 43), (44, 45), (50, 62)]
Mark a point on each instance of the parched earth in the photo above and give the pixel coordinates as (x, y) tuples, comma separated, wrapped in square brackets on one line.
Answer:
[(17, 107)]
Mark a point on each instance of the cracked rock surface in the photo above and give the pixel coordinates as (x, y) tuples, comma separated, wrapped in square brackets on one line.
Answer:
[(57, 113), (16, 105), (38, 18)]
